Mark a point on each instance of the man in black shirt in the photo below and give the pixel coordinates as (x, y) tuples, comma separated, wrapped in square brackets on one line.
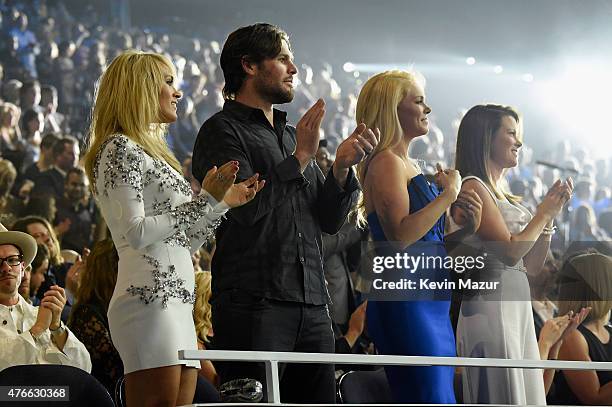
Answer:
[(267, 274)]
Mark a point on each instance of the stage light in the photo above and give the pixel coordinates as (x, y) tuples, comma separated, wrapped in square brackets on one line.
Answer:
[(470, 60), (498, 69), (578, 103), (348, 67), (527, 77)]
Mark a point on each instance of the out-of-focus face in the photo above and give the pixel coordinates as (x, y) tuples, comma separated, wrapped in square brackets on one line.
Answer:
[(31, 97), (506, 143), (69, 157), (76, 186), (22, 22), (10, 118), (168, 98), (412, 112), (273, 78), (36, 124), (24, 287), (38, 277), (10, 276), (324, 160), (48, 100), (39, 232)]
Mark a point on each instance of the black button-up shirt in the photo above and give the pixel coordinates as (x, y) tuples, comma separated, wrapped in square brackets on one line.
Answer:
[(271, 247)]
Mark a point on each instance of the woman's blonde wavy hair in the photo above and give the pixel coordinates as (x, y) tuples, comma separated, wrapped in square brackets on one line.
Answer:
[(377, 108), (127, 102), (202, 313)]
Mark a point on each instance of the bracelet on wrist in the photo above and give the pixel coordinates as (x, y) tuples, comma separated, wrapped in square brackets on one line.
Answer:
[(549, 231), (59, 330)]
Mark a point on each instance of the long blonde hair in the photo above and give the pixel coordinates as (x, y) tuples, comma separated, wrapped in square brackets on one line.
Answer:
[(202, 313), (377, 108), (127, 102)]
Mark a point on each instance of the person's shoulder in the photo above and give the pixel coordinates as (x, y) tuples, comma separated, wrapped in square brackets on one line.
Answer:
[(120, 142), (120, 151), (385, 163), (218, 122)]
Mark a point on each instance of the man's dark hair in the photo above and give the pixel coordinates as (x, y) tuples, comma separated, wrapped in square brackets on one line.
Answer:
[(48, 89), (74, 170), (49, 140), (60, 145), (254, 43), (27, 85)]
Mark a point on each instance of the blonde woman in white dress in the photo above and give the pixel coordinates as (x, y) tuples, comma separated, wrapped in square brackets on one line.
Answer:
[(155, 224), (499, 324)]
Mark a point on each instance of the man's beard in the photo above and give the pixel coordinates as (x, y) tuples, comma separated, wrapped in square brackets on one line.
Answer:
[(276, 95)]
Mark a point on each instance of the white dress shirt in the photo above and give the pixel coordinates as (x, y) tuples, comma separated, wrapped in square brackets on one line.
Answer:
[(18, 346)]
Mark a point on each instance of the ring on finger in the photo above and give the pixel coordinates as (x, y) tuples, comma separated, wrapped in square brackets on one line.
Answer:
[(220, 177)]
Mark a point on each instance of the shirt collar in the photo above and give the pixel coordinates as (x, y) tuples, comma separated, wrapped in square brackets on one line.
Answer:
[(58, 169), (18, 306)]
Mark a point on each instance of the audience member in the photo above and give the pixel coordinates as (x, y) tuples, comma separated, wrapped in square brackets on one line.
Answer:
[(51, 181), (29, 334), (88, 318), (488, 142), (75, 217), (40, 267), (586, 281)]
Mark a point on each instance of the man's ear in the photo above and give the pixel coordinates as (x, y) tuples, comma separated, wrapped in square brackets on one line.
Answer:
[(250, 68), (21, 274)]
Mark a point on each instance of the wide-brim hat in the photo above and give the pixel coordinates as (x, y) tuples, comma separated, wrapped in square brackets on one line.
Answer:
[(26, 243)]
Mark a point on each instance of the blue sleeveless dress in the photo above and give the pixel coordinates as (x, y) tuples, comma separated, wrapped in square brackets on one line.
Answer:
[(416, 327)]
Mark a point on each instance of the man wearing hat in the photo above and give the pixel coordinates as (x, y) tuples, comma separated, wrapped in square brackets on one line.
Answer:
[(28, 334)]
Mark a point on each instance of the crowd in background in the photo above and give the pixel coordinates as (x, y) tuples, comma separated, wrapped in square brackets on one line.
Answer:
[(49, 64)]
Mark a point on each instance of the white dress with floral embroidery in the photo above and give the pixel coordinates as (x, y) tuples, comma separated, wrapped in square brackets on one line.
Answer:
[(155, 225)]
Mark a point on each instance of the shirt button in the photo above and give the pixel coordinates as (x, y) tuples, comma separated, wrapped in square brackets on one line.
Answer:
[(301, 259), (4, 322), (300, 235)]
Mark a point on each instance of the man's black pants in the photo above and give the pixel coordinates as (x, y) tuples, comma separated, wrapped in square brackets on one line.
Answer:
[(245, 322)]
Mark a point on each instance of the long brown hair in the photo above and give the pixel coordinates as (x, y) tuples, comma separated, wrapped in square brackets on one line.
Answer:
[(100, 275), (474, 139), (21, 225)]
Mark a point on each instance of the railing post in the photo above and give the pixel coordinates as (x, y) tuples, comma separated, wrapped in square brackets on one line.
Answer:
[(272, 383)]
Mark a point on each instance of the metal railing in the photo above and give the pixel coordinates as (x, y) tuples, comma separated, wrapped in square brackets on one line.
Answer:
[(272, 359)]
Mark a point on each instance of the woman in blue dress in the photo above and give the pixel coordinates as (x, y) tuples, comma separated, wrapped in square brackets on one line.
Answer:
[(407, 213)]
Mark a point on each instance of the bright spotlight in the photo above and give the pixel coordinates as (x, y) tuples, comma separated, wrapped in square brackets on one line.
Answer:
[(470, 60), (498, 69), (582, 85), (348, 67), (527, 77)]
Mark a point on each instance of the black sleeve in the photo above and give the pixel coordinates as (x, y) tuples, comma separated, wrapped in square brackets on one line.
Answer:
[(342, 346), (335, 202), (341, 241)]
